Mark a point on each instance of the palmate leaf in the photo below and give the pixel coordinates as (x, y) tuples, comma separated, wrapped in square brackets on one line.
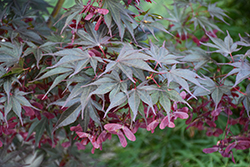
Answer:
[(68, 116), (246, 100), (109, 83), (91, 38), (72, 13), (197, 56), (224, 47), (79, 100), (212, 88), (15, 103), (243, 41), (140, 93), (215, 11), (38, 51), (205, 23), (78, 57), (165, 95), (151, 23), (178, 16), (63, 72), (242, 69), (119, 15), (10, 54), (161, 55), (117, 100), (181, 76), (38, 126), (128, 57)]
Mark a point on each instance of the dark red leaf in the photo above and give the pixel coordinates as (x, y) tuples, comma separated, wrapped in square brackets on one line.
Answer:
[(151, 127), (85, 141), (181, 115), (218, 132), (66, 144), (188, 121), (82, 134), (40, 96), (48, 115), (230, 147), (210, 123), (80, 146), (164, 122), (122, 138), (103, 11), (38, 105), (102, 137), (196, 40), (112, 127), (89, 16), (98, 23), (76, 128), (128, 133), (233, 158), (28, 111), (211, 150), (38, 115)]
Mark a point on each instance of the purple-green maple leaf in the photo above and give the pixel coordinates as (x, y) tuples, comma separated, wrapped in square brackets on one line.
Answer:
[(181, 76), (224, 47), (127, 58), (161, 55), (242, 70)]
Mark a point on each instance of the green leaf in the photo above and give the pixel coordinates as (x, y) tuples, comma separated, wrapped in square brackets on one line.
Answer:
[(242, 69), (224, 47), (117, 100), (212, 88), (217, 12), (128, 58), (91, 37), (7, 87), (16, 106), (134, 102), (197, 56), (58, 79), (145, 97), (7, 108), (93, 113), (32, 127), (180, 76), (84, 122), (68, 116), (161, 55), (40, 130), (10, 53), (77, 57), (205, 23), (119, 15), (56, 71), (85, 96), (76, 91), (165, 102), (38, 51)]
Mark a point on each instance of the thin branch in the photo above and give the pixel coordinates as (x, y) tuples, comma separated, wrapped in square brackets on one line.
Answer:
[(55, 12)]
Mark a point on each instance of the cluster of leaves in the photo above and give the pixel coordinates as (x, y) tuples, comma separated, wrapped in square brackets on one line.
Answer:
[(98, 75)]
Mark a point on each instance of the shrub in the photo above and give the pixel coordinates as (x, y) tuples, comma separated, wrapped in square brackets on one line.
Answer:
[(98, 74)]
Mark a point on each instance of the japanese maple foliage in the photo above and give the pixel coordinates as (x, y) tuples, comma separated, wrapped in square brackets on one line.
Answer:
[(95, 74)]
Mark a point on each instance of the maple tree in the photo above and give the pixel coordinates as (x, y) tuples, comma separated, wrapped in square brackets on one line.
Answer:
[(95, 73)]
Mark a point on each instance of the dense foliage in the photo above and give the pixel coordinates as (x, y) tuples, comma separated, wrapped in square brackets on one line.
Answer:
[(100, 70)]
